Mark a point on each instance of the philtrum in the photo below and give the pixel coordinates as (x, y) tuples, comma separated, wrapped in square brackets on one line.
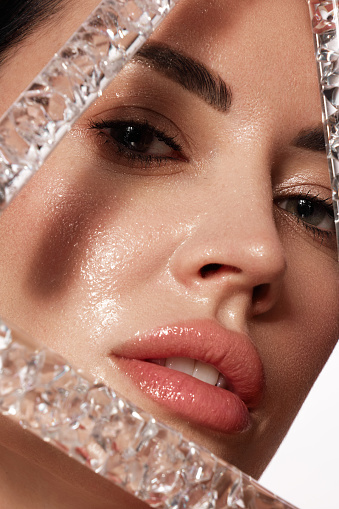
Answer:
[(38, 388)]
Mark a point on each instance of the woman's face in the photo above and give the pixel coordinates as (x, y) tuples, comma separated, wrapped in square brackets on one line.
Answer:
[(187, 216)]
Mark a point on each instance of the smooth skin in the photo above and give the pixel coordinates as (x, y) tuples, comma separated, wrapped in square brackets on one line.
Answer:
[(103, 245)]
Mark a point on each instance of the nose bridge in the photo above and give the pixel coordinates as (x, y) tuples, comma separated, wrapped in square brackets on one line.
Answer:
[(235, 230)]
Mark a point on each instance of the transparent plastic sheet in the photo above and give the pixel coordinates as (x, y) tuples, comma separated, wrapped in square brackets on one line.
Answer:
[(38, 388), (325, 25), (94, 425)]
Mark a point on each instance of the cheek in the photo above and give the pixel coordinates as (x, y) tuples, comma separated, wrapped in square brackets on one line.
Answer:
[(83, 250), (303, 329), (125, 264), (315, 293), (45, 231)]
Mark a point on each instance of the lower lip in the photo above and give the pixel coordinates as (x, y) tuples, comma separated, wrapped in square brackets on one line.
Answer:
[(187, 397)]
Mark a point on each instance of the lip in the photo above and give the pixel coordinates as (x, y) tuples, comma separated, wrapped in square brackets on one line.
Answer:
[(232, 353)]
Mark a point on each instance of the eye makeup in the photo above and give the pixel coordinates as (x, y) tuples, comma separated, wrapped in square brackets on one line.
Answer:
[(71, 81), (311, 208), (39, 389), (138, 142)]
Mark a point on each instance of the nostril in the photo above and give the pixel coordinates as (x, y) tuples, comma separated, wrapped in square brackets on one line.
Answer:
[(212, 269), (260, 293)]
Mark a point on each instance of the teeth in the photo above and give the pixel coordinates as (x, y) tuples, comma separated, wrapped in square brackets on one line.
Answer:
[(205, 373), (159, 362), (182, 364), (222, 382)]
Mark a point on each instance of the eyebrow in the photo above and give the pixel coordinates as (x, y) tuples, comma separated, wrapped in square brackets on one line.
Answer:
[(198, 79), (311, 139), (189, 73)]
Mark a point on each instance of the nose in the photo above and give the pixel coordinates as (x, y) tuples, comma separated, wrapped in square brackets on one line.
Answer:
[(233, 255)]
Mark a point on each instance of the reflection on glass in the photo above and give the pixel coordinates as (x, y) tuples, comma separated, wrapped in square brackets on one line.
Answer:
[(73, 79), (114, 438), (179, 244), (325, 24)]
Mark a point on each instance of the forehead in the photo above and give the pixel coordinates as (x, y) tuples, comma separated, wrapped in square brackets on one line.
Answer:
[(263, 50), (271, 28), (255, 45)]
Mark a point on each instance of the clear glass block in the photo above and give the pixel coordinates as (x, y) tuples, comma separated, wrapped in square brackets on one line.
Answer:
[(70, 82), (325, 24), (111, 436), (15, 150), (38, 388)]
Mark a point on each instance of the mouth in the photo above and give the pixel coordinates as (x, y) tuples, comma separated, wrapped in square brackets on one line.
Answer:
[(199, 371)]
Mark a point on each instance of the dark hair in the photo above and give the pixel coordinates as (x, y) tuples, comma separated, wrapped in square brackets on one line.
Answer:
[(19, 18)]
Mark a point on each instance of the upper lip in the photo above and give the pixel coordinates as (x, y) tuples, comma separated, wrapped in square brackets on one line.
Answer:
[(232, 353)]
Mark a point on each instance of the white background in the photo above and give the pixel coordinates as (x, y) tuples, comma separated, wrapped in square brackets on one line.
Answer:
[(305, 471)]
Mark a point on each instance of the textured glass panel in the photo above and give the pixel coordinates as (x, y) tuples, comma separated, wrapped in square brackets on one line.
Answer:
[(38, 388), (325, 24), (114, 438), (72, 80)]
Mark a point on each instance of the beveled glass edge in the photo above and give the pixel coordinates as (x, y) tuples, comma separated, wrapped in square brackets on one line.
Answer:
[(111, 436), (74, 78), (28, 134), (325, 30)]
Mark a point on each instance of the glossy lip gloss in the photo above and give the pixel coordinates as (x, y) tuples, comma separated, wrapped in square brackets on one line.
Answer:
[(112, 437), (38, 388), (226, 410)]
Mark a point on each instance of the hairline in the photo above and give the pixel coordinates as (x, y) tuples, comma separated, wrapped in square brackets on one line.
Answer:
[(17, 31)]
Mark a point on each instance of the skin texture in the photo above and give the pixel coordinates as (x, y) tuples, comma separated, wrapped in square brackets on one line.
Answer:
[(99, 247)]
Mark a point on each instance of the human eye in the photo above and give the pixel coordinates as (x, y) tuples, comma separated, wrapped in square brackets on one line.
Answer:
[(313, 212), (135, 143)]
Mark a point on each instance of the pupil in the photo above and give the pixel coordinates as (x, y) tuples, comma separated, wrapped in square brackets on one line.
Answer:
[(305, 208), (138, 138)]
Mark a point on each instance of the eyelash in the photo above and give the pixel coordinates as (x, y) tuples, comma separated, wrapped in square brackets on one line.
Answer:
[(146, 160), (131, 155), (318, 233)]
